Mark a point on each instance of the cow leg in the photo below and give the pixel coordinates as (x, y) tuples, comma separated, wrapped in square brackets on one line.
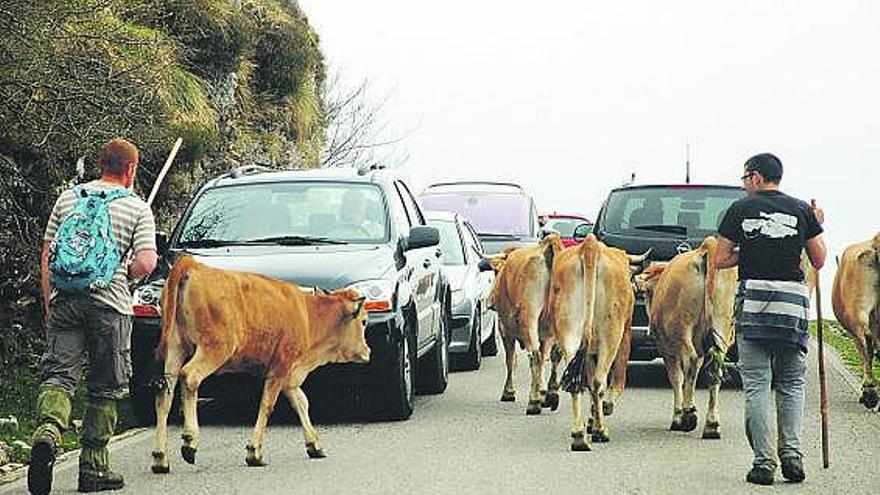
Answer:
[(536, 365), (579, 429), (271, 389), (676, 380), (618, 372), (689, 410), (173, 362), (551, 400), (598, 386), (300, 404), (712, 428), (509, 393), (197, 369), (862, 338)]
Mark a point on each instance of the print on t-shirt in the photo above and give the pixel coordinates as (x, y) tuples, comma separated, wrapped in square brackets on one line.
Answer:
[(772, 225)]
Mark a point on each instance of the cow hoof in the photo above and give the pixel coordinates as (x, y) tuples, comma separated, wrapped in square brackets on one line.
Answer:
[(689, 422), (551, 401), (508, 397), (579, 442), (600, 436), (255, 462), (160, 463), (188, 453), (869, 397), (711, 434), (608, 408), (534, 408), (314, 451)]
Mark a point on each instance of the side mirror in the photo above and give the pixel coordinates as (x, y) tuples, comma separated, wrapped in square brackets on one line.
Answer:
[(484, 265), (161, 243), (422, 237), (581, 231)]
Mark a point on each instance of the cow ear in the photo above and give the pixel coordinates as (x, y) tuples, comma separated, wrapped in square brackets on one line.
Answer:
[(358, 305)]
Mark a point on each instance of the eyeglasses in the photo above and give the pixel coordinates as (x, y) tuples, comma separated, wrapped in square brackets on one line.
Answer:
[(747, 175)]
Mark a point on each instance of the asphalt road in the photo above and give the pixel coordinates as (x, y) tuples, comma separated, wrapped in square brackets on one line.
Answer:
[(466, 441)]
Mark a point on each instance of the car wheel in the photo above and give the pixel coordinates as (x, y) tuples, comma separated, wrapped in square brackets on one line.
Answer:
[(433, 373), (471, 359), (395, 401), (490, 346)]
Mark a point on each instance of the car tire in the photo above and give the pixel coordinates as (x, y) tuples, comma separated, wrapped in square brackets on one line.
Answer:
[(490, 346), (433, 373), (394, 401), (470, 360)]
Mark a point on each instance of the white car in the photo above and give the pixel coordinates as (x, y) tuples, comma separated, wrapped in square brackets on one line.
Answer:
[(474, 325)]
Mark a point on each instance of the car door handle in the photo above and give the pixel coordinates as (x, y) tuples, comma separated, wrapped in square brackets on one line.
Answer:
[(427, 264), (438, 253)]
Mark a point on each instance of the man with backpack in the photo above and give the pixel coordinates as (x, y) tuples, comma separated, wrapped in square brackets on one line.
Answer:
[(99, 237)]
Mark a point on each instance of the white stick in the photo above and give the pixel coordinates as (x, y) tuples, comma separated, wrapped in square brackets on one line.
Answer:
[(164, 171)]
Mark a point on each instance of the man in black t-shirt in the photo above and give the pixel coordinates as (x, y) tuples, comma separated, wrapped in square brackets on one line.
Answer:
[(764, 234)]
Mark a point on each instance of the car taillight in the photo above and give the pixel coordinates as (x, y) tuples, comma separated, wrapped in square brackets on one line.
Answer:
[(146, 310)]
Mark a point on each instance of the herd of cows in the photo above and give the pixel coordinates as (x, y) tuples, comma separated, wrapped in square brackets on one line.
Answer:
[(570, 305)]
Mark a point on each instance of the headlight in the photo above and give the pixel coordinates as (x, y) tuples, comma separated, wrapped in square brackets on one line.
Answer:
[(379, 294)]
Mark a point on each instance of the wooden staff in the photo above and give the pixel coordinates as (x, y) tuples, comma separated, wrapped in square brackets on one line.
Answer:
[(823, 384), (161, 176)]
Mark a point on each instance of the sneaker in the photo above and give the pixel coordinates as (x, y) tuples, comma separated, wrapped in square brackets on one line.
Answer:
[(99, 481), (760, 476), (793, 469), (42, 461)]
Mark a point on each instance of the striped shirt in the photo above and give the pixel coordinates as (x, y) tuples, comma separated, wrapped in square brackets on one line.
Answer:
[(134, 228), (774, 310)]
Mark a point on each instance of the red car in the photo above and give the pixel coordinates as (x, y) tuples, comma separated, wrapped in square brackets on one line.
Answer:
[(566, 225)]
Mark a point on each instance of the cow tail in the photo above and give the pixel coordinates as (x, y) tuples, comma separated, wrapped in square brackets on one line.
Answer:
[(169, 300), (711, 346), (590, 261)]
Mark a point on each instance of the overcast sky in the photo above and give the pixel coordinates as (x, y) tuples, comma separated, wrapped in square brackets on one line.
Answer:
[(568, 98)]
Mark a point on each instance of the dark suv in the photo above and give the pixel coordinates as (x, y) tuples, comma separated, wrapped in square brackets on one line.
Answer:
[(667, 219), (329, 229)]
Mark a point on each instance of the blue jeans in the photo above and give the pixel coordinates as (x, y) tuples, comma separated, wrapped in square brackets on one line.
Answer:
[(762, 362)]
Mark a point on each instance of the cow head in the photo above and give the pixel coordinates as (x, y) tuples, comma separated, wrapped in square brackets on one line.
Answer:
[(645, 281), (350, 343)]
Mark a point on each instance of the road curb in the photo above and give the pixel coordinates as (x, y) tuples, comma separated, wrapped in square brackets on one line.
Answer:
[(19, 473), (833, 358)]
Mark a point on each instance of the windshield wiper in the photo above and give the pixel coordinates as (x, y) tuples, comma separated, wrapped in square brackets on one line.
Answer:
[(296, 240), (671, 229), (209, 243)]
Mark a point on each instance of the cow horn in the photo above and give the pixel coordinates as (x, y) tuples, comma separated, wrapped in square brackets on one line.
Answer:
[(639, 259)]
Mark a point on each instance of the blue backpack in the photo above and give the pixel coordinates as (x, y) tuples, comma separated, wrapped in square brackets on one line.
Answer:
[(84, 255)]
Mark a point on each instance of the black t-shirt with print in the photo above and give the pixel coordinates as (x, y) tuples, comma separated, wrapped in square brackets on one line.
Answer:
[(771, 228)]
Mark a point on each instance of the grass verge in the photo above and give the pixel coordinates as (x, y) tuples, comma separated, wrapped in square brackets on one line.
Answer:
[(18, 398), (836, 336)]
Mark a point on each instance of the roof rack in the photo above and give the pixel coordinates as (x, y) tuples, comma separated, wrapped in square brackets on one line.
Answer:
[(246, 170), (370, 168)]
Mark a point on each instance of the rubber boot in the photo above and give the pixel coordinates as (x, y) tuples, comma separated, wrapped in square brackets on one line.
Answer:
[(53, 406), (94, 458)]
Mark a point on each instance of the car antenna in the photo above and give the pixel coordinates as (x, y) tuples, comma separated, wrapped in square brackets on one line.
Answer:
[(687, 163)]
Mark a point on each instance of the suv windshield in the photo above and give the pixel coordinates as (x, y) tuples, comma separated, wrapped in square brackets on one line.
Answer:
[(692, 211), (450, 243), (319, 212), (489, 212)]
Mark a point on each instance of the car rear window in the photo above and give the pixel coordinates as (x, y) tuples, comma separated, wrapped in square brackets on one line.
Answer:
[(565, 226), (697, 209), (488, 212)]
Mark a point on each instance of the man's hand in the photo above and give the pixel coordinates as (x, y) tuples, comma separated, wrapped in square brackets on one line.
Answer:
[(726, 254)]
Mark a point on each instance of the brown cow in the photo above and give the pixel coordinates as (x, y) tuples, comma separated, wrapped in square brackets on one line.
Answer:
[(590, 308), (690, 308), (856, 301), (219, 320), (519, 296)]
